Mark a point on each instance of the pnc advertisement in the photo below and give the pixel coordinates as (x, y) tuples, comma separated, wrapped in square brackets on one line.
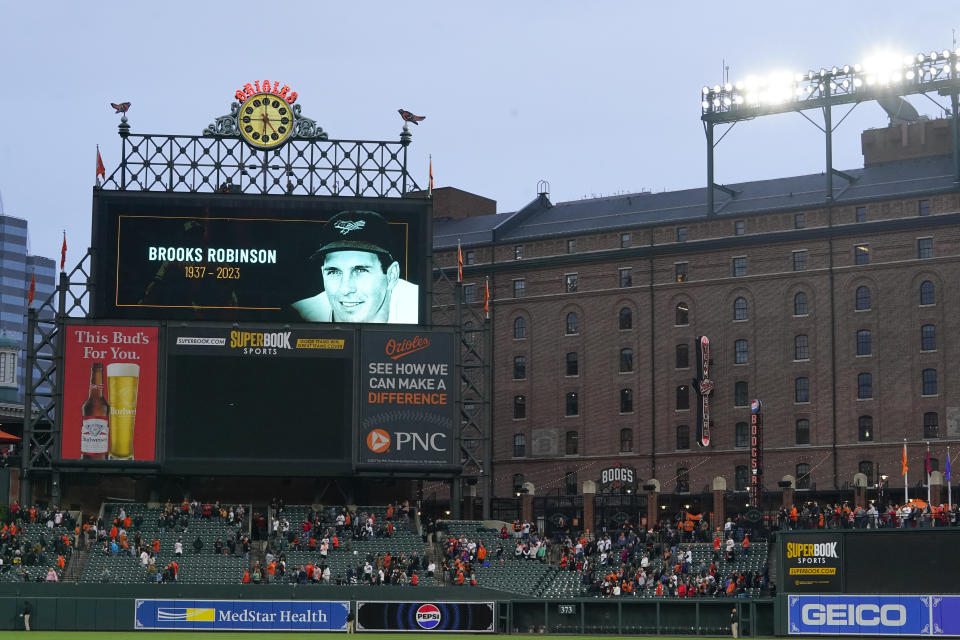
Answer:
[(244, 258), (109, 393), (435, 617), (241, 615), (408, 399), (872, 615)]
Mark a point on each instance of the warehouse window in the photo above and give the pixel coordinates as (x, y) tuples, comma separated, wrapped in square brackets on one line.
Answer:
[(863, 298), (929, 379), (864, 342), (683, 356), (519, 328), (740, 309), (801, 347), (927, 293), (864, 386), (801, 390), (573, 323), (683, 437), (865, 428), (803, 431), (626, 360), (800, 304), (573, 364), (626, 319)]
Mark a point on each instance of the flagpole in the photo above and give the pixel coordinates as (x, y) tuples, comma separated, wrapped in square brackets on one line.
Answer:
[(906, 481), (949, 488), (927, 466)]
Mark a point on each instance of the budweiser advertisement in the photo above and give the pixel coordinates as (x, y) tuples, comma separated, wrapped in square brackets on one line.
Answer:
[(109, 393), (408, 403)]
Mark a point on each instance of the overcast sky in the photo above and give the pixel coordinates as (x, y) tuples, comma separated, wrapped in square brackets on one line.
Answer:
[(595, 97)]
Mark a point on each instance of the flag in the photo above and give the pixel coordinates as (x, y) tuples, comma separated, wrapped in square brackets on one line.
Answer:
[(430, 191), (63, 252), (33, 289), (101, 170), (903, 462), (946, 470), (486, 297), (459, 263), (926, 463)]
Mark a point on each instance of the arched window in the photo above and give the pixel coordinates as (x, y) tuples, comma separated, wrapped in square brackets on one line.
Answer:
[(866, 468), (626, 318), (740, 478), (800, 307), (683, 480), (927, 293), (929, 382), (803, 476), (740, 309), (626, 400), (803, 431), (626, 360), (740, 352), (519, 328), (573, 323), (864, 386), (519, 445), (931, 425), (626, 440), (863, 298), (683, 314), (683, 436)]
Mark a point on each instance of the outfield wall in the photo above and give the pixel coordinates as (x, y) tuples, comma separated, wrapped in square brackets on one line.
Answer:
[(111, 607)]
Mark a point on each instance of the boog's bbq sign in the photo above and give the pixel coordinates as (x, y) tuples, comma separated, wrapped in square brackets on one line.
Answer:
[(617, 477)]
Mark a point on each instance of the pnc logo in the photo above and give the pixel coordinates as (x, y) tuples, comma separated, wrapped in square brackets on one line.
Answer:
[(428, 616), (378, 441)]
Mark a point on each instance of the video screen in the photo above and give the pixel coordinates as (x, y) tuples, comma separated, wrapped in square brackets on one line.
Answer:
[(258, 400), (260, 258)]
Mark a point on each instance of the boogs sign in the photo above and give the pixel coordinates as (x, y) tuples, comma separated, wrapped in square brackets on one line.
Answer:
[(242, 615), (617, 477)]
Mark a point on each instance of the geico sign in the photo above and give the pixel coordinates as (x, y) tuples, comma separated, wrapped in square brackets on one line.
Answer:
[(870, 615), (380, 441)]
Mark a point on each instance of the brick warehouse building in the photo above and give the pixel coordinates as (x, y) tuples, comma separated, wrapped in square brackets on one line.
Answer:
[(839, 315)]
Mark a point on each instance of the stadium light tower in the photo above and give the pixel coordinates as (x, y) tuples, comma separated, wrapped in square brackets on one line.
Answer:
[(880, 77)]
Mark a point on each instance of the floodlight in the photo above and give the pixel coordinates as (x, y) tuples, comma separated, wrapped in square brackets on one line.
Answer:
[(726, 102), (845, 84), (716, 88), (810, 75), (833, 86), (919, 57), (846, 68), (705, 104), (833, 71), (857, 82), (858, 67), (706, 90), (945, 53), (738, 99), (933, 55), (728, 87), (823, 72), (910, 75), (716, 102)]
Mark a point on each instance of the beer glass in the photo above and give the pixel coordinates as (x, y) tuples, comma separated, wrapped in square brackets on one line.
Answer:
[(123, 378)]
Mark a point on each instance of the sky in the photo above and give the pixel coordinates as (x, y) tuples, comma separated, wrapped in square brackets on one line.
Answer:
[(597, 98)]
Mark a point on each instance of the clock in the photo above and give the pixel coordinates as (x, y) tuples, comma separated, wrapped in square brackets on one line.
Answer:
[(265, 120)]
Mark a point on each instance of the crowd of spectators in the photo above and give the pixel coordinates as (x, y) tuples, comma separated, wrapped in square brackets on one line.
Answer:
[(916, 513), (51, 544)]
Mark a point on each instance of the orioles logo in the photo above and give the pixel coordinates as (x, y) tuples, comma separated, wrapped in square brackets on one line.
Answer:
[(346, 226)]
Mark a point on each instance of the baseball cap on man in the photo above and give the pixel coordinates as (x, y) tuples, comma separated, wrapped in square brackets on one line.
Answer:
[(355, 231)]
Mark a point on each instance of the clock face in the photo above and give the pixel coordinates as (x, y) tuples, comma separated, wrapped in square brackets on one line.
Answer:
[(265, 120)]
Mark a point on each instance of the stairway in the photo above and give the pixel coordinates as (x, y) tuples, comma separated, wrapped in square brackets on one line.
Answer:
[(78, 560)]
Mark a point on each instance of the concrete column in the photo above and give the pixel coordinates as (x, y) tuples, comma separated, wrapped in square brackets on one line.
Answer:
[(788, 491), (937, 493), (719, 509), (589, 492), (652, 489), (526, 502), (860, 490), (469, 502)]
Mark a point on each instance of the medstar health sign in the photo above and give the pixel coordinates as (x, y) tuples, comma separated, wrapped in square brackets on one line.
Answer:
[(242, 615)]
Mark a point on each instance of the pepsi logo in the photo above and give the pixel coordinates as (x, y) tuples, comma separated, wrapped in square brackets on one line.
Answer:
[(378, 441), (428, 616)]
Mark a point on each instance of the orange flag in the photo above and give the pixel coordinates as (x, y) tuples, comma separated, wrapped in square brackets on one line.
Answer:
[(486, 297), (63, 252), (904, 461), (431, 175), (33, 289), (459, 263), (101, 170)]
